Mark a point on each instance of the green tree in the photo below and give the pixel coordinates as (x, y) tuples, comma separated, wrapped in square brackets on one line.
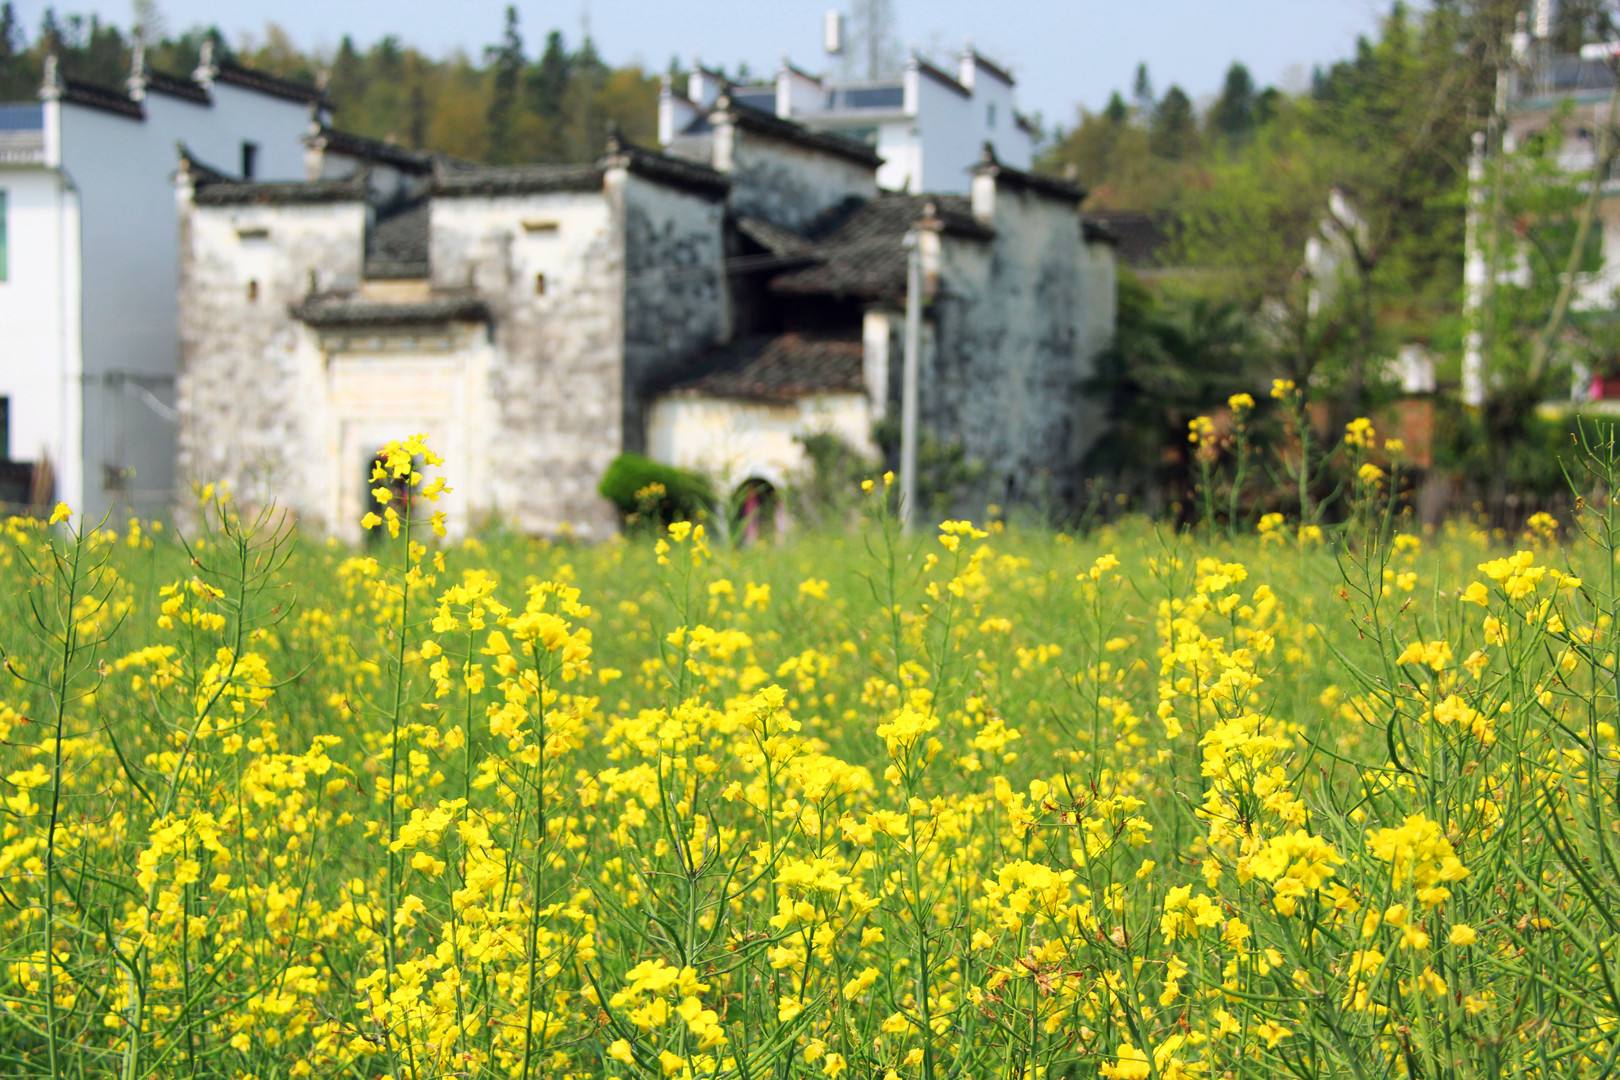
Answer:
[(1173, 133), (19, 78), (1142, 93), (506, 64), (1173, 356), (346, 80), (1116, 112), (547, 92), (1233, 115)]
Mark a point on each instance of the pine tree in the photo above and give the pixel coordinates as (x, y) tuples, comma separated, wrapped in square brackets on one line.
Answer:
[(584, 124), (1174, 130), (50, 32), (417, 112), (1232, 115), (15, 82), (1116, 112), (346, 83), (1142, 93), (548, 79), (506, 60)]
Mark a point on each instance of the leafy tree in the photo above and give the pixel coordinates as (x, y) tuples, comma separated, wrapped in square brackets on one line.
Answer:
[(1543, 239), (1173, 355), (1576, 22)]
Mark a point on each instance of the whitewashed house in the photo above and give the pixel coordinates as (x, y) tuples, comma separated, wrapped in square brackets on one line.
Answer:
[(712, 307), (89, 269), (929, 125)]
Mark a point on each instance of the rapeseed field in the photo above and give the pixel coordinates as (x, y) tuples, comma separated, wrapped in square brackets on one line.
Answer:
[(974, 801)]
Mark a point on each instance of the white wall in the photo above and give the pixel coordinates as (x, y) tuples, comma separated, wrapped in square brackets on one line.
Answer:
[(902, 154), (951, 135), (123, 169), (253, 389), (732, 441), (39, 311)]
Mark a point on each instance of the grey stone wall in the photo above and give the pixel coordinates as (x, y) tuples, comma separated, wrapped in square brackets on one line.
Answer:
[(676, 299), (785, 183), (557, 378), (1013, 348)]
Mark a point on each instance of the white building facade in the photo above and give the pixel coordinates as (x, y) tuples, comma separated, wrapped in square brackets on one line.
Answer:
[(89, 270), (929, 125)]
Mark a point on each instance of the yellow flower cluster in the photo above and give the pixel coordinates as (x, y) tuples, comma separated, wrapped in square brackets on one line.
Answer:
[(979, 801)]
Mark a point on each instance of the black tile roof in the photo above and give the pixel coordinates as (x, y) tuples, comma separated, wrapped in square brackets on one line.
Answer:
[(336, 312), (200, 171), (489, 180), (781, 369), (216, 192), (229, 71), (397, 242), (773, 238), (369, 149), (941, 76), (749, 118), (1143, 238), (105, 98), (992, 67), (676, 172), (1035, 183), (176, 86), (859, 248)]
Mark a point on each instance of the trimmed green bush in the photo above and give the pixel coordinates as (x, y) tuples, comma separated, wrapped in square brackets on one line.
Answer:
[(648, 491)]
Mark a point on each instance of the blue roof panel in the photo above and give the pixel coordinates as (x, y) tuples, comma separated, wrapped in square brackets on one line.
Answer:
[(22, 116)]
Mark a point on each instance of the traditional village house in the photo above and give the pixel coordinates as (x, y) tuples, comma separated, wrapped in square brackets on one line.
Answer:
[(89, 266), (1544, 88), (928, 124), (709, 305)]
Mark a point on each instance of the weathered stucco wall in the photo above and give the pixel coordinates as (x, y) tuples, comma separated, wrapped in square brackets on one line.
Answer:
[(784, 182), (1004, 382), (250, 386), (550, 266), (676, 301), (733, 441)]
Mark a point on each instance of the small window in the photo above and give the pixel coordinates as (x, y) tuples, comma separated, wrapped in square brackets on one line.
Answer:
[(539, 284), (990, 115), (2, 234), (250, 160), (253, 290)]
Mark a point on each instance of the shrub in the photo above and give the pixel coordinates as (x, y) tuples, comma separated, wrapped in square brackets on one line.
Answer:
[(645, 490)]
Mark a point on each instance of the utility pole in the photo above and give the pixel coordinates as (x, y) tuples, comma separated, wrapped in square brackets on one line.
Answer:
[(908, 381)]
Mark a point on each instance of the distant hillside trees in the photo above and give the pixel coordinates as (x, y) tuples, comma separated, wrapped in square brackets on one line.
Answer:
[(504, 106)]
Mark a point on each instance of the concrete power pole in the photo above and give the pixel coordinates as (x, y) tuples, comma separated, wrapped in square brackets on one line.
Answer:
[(908, 382)]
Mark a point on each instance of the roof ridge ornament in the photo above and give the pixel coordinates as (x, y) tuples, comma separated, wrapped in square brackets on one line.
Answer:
[(207, 66), (50, 80), (137, 69)]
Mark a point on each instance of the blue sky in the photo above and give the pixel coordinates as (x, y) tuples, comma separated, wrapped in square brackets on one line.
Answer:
[(1065, 54)]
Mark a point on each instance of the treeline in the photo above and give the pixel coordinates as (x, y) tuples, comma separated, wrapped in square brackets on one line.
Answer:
[(1319, 235), (511, 103)]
